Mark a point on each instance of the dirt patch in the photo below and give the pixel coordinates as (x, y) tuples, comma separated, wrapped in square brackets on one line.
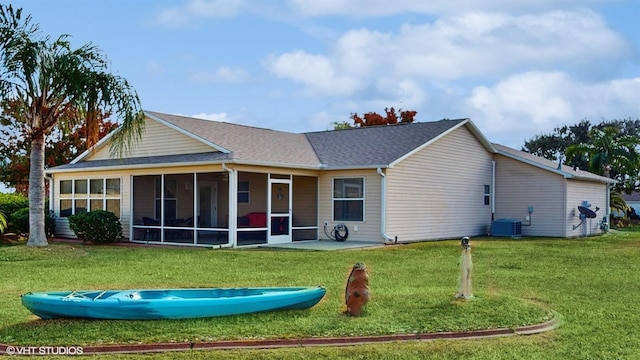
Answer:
[(9, 239)]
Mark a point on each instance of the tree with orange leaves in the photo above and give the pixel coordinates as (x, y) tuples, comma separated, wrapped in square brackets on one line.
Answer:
[(391, 118)]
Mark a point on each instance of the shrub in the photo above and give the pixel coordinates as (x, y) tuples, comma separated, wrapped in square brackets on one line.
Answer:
[(98, 226), (19, 222), (10, 203)]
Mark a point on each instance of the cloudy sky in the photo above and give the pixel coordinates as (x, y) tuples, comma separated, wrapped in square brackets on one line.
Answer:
[(517, 68)]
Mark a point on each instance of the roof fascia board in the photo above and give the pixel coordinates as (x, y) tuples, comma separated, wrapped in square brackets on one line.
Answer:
[(184, 132), (355, 167)]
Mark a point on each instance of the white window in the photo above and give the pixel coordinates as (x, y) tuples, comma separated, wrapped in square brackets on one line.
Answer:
[(243, 192), (487, 195), (348, 199)]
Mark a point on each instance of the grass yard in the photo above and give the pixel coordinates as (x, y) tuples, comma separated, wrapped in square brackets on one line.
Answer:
[(590, 284)]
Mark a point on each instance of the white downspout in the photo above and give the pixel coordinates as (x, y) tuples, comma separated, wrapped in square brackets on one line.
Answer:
[(493, 189), (383, 209), (50, 179), (233, 206)]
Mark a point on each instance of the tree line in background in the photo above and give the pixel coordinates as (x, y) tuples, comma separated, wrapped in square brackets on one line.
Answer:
[(610, 148)]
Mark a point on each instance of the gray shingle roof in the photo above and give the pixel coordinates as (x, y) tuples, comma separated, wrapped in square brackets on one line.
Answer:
[(246, 143), (377, 146), (374, 146)]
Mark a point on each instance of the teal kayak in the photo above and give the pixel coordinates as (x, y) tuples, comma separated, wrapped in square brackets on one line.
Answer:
[(146, 304)]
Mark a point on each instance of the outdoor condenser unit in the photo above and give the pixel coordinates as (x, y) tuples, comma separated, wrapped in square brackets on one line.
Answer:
[(506, 227)]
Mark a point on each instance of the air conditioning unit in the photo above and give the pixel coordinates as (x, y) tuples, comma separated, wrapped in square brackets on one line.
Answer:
[(506, 227)]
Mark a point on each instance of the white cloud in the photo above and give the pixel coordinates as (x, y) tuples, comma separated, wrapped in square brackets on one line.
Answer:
[(368, 8), (318, 72), (154, 68), (490, 44), (534, 103), (182, 16), (225, 74), (224, 117), (472, 45)]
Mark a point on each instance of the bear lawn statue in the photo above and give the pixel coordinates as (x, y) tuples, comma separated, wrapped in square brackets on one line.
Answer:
[(357, 291)]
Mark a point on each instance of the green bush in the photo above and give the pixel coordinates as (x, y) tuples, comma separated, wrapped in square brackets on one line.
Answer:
[(98, 226), (10, 203), (19, 221)]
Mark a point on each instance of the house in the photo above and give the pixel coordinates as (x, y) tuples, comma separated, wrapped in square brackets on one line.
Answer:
[(633, 201), (198, 182)]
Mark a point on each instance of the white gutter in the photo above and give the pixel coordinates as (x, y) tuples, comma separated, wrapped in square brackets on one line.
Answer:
[(233, 206), (383, 209)]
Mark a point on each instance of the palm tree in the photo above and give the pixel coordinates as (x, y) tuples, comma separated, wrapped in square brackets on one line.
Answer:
[(613, 155), (54, 85), (609, 153), (3, 222)]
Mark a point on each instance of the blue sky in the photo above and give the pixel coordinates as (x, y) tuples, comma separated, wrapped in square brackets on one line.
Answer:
[(517, 68)]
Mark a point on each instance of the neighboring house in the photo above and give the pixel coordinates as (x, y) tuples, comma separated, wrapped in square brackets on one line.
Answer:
[(200, 182), (633, 201)]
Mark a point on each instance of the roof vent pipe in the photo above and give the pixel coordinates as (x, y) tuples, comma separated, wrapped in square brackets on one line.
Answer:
[(383, 209)]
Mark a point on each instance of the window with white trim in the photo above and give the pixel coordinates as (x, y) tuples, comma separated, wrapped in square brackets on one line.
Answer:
[(243, 192), (487, 195), (348, 199), (82, 195)]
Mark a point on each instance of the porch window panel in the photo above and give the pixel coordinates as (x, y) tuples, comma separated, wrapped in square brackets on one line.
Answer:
[(80, 187), (254, 213), (66, 187), (178, 200), (144, 205), (304, 234), (305, 201), (113, 205), (66, 207), (80, 206), (212, 200), (213, 237), (96, 187), (252, 237), (113, 187), (96, 204)]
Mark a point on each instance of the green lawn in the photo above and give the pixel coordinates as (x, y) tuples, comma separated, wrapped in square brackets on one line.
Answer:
[(590, 284)]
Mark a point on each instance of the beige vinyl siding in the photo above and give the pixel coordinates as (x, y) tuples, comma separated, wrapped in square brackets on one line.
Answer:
[(596, 195), (367, 230), (437, 193), (158, 140), (520, 185)]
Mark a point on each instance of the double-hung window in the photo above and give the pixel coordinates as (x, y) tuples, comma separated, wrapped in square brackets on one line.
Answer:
[(348, 199)]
